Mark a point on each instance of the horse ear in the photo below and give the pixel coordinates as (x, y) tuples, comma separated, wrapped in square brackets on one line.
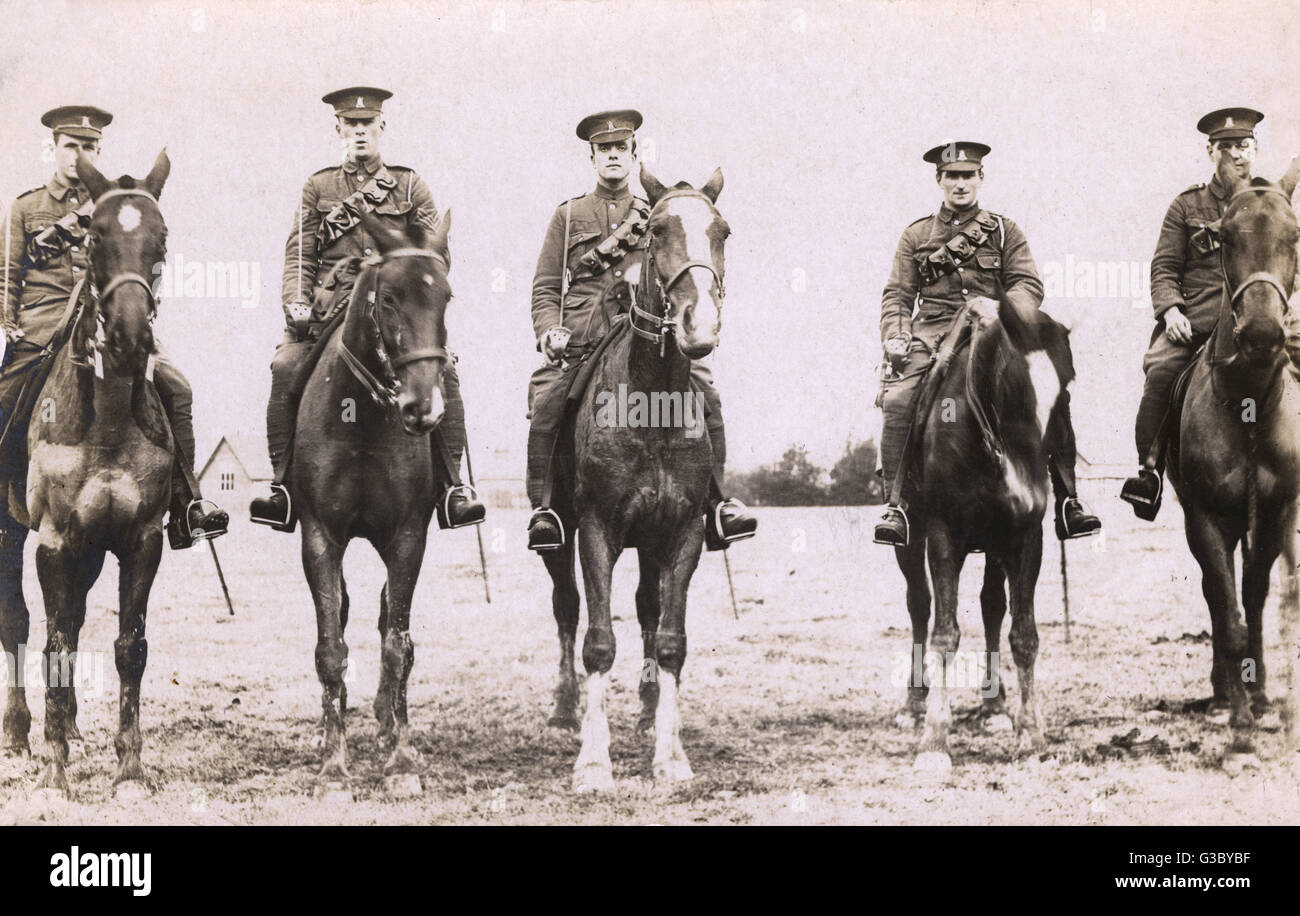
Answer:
[(384, 238), (90, 176), (713, 187), (1292, 177), (438, 241), (157, 177), (653, 188)]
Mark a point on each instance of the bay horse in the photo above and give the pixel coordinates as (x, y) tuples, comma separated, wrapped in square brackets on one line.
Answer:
[(363, 468), (984, 467), (99, 475), (642, 487), (1236, 460)]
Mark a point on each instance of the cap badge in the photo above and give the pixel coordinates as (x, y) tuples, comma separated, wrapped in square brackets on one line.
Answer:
[(361, 102), (85, 121), (1229, 123)]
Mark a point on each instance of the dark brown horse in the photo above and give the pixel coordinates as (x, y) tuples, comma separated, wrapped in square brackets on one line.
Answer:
[(643, 487), (1236, 461), (99, 477), (985, 487), (363, 469)]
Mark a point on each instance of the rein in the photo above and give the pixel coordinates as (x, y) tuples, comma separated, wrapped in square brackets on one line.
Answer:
[(386, 387), (661, 325)]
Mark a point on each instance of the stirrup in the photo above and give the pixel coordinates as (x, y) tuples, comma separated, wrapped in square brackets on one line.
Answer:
[(559, 526), (290, 520), (1143, 507), (179, 534), (907, 530), (444, 507), (717, 538)]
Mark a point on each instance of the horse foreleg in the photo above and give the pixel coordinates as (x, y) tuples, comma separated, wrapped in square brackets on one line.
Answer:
[(138, 565), (402, 558), (92, 564), (1254, 590), (1022, 567), (945, 571), (647, 614), (911, 561), (322, 562), (56, 566), (14, 626), (1213, 549), (993, 608), (592, 772), (670, 763), (565, 607)]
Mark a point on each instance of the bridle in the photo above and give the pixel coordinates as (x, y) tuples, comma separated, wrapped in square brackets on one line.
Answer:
[(116, 282), (662, 326), (1259, 276), (385, 387)]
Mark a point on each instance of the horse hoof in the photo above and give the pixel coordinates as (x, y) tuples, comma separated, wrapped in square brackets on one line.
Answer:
[(671, 771), (333, 793), (933, 766), (593, 778), (646, 724), (131, 790), (77, 749), (1218, 715), (1000, 722), (1234, 764), (402, 785), (567, 722), (1268, 719), (907, 720)]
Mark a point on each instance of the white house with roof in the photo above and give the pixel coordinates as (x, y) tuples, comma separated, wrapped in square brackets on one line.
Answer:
[(235, 472)]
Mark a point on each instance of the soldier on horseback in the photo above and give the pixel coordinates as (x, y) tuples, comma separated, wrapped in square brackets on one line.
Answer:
[(959, 255), (592, 243), (1187, 290), (45, 267), (322, 258)]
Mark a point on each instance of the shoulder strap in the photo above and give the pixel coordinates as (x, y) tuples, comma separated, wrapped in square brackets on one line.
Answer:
[(564, 259)]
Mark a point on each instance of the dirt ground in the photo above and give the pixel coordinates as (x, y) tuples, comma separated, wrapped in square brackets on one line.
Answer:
[(788, 711)]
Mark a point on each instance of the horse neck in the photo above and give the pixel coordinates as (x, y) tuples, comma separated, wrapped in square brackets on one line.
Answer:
[(653, 366), (1000, 387)]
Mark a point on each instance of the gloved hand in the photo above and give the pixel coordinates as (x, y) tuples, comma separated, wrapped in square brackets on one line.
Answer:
[(896, 350), (554, 343), (298, 316)]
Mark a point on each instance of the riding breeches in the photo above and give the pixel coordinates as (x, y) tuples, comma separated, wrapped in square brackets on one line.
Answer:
[(548, 391), (1163, 363), (281, 412)]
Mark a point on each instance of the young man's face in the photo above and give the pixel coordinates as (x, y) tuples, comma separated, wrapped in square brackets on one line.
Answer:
[(360, 136), (960, 187), (66, 148), (1233, 158), (613, 160)]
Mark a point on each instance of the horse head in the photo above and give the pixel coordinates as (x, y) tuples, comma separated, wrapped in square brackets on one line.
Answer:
[(126, 244), (1259, 234), (686, 260), (404, 310)]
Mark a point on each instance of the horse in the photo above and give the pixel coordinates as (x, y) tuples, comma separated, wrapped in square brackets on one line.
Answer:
[(99, 475), (984, 467), (363, 468), (1236, 459), (642, 487)]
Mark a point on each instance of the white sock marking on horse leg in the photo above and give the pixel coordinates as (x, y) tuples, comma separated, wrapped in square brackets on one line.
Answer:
[(592, 770), (670, 757)]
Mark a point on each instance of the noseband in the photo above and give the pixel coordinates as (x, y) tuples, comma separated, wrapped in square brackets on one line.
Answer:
[(663, 326), (385, 388)]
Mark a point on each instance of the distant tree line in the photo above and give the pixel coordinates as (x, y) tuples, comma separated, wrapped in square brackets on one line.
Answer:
[(796, 481)]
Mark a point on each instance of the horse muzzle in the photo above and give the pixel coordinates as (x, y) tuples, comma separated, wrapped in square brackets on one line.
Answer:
[(421, 415)]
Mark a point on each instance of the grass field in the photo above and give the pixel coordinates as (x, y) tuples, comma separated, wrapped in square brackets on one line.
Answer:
[(788, 711)]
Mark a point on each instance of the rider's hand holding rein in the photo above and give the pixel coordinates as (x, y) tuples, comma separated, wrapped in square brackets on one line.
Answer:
[(1177, 326), (896, 349), (298, 314)]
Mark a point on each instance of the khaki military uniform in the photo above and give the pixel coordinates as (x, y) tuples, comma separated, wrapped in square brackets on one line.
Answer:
[(924, 310), (310, 276), (35, 296), (1186, 272)]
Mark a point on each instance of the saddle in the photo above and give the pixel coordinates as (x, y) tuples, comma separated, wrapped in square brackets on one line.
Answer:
[(1166, 444)]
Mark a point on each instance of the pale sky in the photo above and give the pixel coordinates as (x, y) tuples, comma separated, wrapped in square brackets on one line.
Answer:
[(818, 114)]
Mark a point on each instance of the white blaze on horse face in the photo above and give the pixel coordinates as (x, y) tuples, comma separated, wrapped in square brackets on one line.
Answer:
[(128, 218), (697, 216), (1046, 384)]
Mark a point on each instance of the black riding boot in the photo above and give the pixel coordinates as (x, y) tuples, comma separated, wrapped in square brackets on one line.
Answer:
[(192, 518), (545, 530), (458, 505), (277, 510), (727, 519), (1073, 520)]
